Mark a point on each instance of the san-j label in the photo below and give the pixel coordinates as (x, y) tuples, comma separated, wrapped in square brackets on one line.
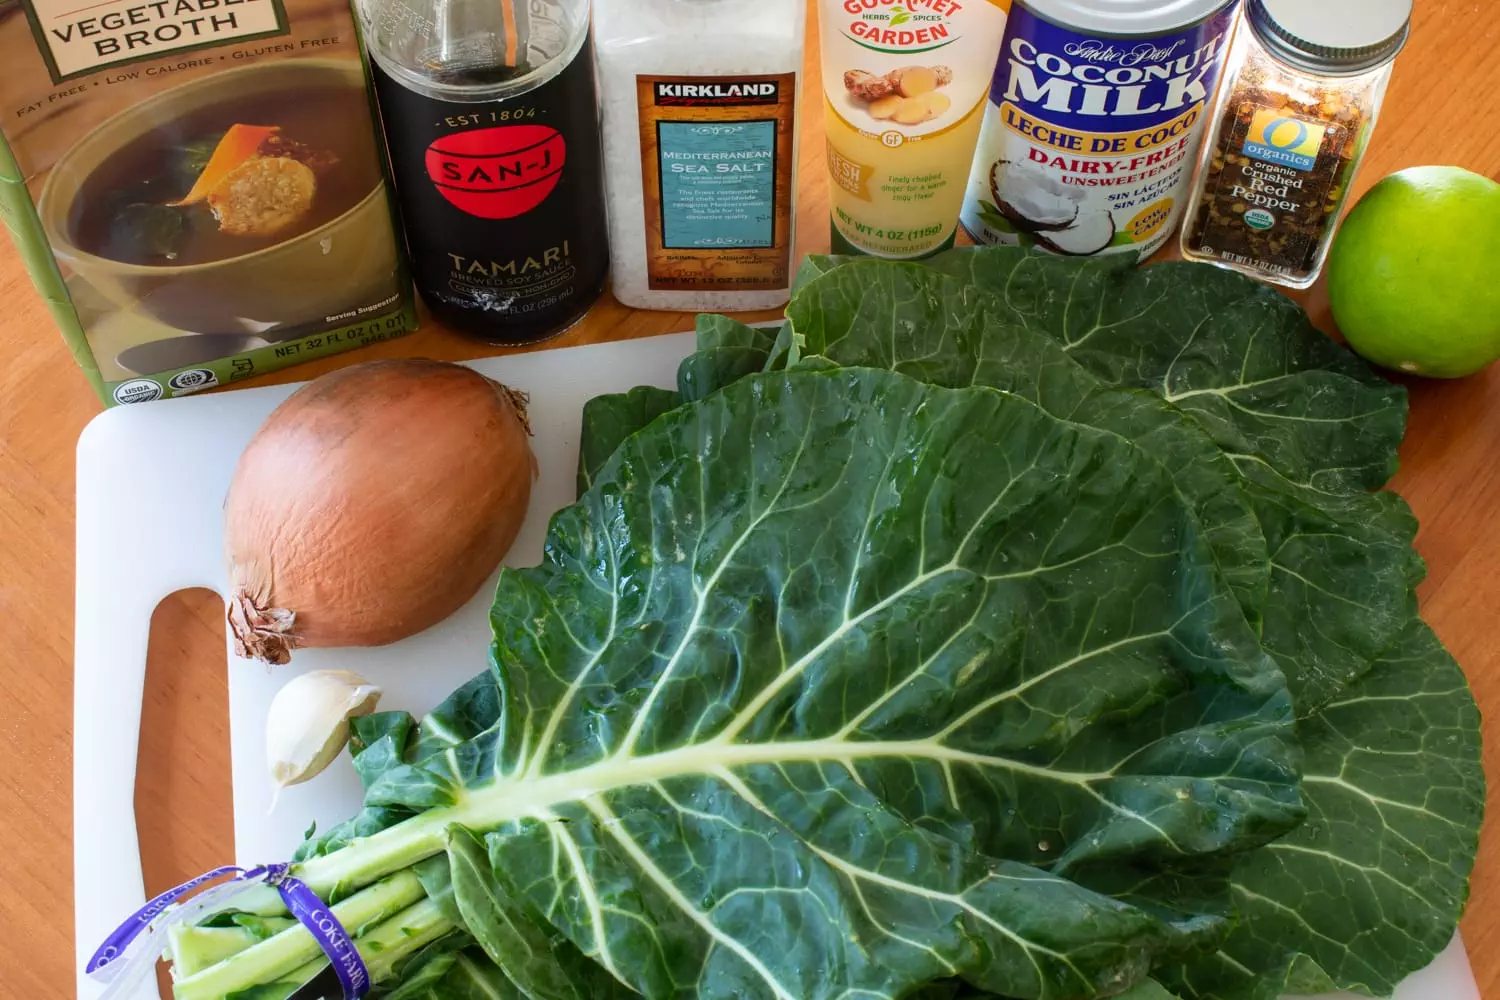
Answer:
[(78, 38), (716, 171)]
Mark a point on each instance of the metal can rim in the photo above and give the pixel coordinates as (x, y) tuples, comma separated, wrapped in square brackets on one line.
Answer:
[(1106, 20)]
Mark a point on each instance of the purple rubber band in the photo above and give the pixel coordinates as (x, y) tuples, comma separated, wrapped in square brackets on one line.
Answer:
[(114, 958), (114, 946), (325, 928)]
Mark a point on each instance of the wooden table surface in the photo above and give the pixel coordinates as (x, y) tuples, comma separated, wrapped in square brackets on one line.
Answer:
[(1444, 107)]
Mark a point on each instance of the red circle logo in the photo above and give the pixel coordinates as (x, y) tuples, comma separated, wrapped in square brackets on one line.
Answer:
[(498, 173)]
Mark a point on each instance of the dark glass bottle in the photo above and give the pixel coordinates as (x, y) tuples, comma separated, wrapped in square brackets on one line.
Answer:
[(492, 124)]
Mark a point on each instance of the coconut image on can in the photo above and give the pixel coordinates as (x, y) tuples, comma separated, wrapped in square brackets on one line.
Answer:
[(1094, 123)]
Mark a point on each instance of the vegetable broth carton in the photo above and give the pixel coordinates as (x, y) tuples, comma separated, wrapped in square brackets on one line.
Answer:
[(197, 187)]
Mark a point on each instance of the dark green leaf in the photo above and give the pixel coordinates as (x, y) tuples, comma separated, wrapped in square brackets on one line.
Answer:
[(141, 230), (190, 159), (720, 331), (413, 767), (541, 968), (1240, 357), (609, 420), (932, 327), (1343, 586), (262, 928), (1342, 577), (728, 351), (455, 975), (1371, 888), (726, 584)]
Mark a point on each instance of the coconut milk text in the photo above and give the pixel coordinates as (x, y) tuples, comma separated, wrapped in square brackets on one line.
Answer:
[(1089, 142)]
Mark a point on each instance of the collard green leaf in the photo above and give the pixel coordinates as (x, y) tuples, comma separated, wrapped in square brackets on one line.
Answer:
[(465, 974), (1343, 586), (1149, 989), (728, 351), (1342, 574), (810, 697), (716, 332), (707, 371), (770, 562), (541, 966), (1370, 889), (1240, 357), (953, 989), (609, 420), (932, 327), (407, 769)]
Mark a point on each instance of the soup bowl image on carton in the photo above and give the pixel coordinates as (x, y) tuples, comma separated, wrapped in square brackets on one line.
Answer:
[(269, 283)]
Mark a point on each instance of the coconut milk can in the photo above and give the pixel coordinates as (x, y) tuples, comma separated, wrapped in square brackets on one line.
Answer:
[(1094, 123)]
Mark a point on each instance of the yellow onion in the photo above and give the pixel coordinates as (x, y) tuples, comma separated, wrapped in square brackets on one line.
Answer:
[(373, 504)]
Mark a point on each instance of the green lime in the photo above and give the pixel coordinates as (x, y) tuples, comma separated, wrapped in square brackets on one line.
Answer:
[(1414, 275)]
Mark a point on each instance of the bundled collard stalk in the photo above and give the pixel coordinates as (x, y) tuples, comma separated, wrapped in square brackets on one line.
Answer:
[(1005, 626)]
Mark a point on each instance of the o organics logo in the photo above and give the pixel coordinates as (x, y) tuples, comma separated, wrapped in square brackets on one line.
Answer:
[(498, 173), (1289, 142)]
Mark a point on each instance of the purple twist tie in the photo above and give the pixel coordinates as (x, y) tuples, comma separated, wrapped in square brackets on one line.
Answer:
[(124, 967)]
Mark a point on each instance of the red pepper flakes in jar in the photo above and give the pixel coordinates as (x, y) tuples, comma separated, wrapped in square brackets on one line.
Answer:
[(1292, 123)]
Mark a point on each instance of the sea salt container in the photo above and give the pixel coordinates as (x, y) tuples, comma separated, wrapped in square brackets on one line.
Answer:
[(1095, 120), (700, 148)]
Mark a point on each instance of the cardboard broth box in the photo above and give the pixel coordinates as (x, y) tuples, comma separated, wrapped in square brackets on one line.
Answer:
[(197, 186)]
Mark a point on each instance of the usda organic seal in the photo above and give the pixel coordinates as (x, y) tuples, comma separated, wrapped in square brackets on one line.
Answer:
[(1259, 219), (140, 390)]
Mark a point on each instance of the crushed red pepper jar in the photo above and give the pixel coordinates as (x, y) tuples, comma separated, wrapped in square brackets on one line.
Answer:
[(1303, 89)]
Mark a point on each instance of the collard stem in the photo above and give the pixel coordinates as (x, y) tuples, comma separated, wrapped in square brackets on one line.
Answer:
[(270, 960)]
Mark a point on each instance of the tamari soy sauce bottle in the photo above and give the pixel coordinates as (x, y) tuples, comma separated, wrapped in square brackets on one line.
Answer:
[(492, 124)]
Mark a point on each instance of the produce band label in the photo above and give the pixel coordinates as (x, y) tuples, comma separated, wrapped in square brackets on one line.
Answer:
[(127, 958), (1089, 142), (717, 175)]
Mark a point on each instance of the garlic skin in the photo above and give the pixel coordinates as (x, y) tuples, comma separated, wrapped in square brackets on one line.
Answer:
[(309, 723)]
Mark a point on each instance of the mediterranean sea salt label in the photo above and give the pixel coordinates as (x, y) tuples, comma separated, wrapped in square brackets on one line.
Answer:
[(717, 178), (700, 149)]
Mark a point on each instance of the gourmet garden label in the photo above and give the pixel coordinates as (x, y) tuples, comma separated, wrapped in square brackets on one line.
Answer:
[(905, 84)]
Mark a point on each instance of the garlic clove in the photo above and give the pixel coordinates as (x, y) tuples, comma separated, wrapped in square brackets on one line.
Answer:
[(309, 723)]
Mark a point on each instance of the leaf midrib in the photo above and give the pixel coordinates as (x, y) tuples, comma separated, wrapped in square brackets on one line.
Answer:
[(508, 800)]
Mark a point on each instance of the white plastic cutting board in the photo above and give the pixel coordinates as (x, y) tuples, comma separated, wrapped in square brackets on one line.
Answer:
[(151, 485)]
